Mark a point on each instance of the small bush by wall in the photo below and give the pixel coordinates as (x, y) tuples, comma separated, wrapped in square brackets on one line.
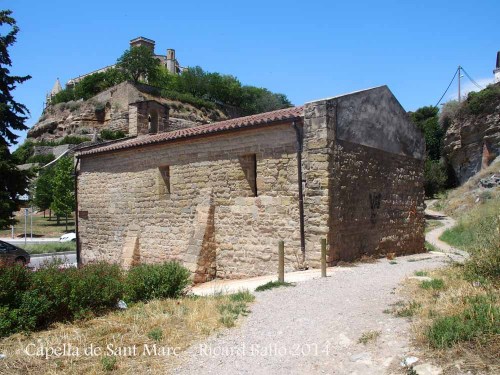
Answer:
[(150, 281)]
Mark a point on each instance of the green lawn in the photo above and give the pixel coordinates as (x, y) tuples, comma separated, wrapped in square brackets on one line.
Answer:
[(42, 227)]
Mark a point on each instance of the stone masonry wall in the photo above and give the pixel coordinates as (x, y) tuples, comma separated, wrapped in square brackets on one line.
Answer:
[(124, 208), (378, 203), (318, 141)]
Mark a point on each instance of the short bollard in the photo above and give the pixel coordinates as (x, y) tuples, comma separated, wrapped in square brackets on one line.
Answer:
[(281, 262), (323, 257)]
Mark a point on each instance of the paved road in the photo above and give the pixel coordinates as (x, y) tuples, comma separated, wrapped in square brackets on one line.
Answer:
[(20, 241), (37, 261)]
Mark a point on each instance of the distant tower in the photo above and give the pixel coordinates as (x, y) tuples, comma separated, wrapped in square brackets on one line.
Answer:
[(497, 68), (56, 89), (171, 62), (141, 41)]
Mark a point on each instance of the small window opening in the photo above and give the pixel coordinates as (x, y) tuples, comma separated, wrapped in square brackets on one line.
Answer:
[(164, 180), (249, 165), (153, 122)]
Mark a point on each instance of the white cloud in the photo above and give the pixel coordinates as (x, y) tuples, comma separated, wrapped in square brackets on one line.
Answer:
[(466, 87)]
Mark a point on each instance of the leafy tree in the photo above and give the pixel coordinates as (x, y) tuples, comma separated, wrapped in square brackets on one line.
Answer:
[(13, 182), (63, 202), (90, 86), (258, 100), (23, 152), (435, 177), (427, 120), (43, 190), (138, 62), (435, 171)]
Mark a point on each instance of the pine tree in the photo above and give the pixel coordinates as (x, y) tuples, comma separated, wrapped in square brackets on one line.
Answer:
[(13, 182)]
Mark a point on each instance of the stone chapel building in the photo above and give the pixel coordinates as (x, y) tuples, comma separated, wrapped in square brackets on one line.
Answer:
[(219, 197)]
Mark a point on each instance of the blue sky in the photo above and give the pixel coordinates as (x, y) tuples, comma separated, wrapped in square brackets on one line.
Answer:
[(307, 50)]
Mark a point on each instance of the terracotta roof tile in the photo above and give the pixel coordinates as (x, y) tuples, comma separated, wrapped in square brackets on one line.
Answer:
[(236, 123)]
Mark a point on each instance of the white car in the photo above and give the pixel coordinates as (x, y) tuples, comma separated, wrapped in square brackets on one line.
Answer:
[(68, 237)]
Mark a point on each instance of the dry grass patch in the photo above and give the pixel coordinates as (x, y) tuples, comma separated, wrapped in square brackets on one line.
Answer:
[(455, 323), (161, 327)]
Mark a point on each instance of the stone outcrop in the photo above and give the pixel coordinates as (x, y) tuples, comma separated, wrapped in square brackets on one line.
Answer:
[(111, 110), (472, 142)]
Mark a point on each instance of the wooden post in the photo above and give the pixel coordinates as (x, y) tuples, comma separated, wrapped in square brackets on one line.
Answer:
[(323, 257), (281, 262)]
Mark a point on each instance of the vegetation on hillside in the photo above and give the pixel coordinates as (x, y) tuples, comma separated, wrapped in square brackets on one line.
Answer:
[(25, 152), (434, 123), (194, 85)]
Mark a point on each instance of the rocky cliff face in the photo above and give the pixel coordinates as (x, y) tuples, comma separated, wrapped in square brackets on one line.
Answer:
[(472, 142), (110, 110)]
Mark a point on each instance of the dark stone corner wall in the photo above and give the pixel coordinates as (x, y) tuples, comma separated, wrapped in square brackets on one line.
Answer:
[(363, 171), (377, 203)]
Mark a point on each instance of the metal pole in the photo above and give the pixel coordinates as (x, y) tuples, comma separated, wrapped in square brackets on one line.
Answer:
[(12, 231), (31, 223), (25, 224), (281, 262), (323, 257), (459, 96)]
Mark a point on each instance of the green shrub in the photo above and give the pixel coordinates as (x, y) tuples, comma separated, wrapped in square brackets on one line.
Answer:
[(107, 134), (156, 334), (34, 300), (187, 98), (480, 319), (24, 152), (14, 281), (433, 284), (484, 101), (67, 140), (435, 177), (242, 296), (231, 311), (30, 301), (42, 159), (150, 281), (95, 288), (108, 363)]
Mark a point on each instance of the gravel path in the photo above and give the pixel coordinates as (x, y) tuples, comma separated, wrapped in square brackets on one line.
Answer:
[(433, 236), (314, 327)]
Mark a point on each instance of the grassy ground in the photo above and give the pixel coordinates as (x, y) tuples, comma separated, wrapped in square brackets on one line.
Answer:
[(159, 331), (42, 227), (44, 248), (477, 228), (456, 314), (455, 322), (272, 285)]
